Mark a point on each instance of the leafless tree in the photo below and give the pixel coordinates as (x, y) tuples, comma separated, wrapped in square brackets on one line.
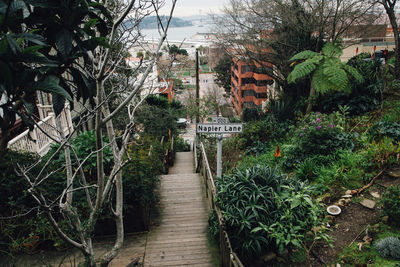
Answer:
[(391, 8), (272, 31), (114, 79)]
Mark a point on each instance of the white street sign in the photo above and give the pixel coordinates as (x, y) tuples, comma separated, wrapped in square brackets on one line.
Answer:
[(220, 120), (219, 128)]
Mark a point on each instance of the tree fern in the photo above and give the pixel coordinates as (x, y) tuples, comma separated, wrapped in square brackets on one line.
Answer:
[(301, 70), (327, 71), (304, 55), (320, 83), (332, 50), (336, 75), (354, 73)]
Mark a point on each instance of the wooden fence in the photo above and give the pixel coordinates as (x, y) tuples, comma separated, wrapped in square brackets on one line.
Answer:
[(228, 257)]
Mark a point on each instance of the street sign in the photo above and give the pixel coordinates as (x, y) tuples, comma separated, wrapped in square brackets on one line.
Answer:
[(220, 120), (212, 128)]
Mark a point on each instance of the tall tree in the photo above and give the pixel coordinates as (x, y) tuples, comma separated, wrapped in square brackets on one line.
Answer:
[(272, 31), (42, 44), (390, 8), (105, 192), (327, 72), (223, 72)]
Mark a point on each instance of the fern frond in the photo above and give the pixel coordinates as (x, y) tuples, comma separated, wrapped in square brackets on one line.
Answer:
[(337, 76), (332, 50), (301, 71), (320, 82), (306, 54), (354, 73)]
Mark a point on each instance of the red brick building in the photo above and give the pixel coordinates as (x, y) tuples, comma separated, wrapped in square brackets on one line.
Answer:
[(250, 87)]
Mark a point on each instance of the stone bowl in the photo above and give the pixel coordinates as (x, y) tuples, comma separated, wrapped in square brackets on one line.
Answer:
[(333, 210)]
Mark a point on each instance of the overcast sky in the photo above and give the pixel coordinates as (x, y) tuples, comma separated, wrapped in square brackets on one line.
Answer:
[(195, 7)]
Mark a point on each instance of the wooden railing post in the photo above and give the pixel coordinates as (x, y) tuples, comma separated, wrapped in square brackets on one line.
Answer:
[(228, 257)]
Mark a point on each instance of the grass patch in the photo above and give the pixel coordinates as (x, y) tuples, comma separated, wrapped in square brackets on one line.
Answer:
[(369, 255)]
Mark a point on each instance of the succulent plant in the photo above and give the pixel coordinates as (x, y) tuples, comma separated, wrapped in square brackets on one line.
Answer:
[(388, 247)]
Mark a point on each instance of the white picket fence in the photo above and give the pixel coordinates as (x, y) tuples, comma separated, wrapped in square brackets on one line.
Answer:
[(43, 135)]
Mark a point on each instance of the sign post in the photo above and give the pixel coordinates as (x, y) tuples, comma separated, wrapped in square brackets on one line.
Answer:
[(219, 155), (219, 126)]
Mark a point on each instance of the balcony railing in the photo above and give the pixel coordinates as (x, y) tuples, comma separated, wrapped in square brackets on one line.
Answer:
[(43, 135)]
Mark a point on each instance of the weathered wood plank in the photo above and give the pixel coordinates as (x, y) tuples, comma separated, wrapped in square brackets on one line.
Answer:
[(180, 239)]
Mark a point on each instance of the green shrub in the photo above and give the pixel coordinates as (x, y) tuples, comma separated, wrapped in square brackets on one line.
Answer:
[(385, 128), (181, 145), (388, 247), (250, 114), (382, 153), (264, 209), (84, 145), (266, 130), (364, 96), (213, 225), (320, 139), (391, 204)]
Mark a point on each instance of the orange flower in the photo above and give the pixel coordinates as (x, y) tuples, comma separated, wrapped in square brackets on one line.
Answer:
[(277, 152)]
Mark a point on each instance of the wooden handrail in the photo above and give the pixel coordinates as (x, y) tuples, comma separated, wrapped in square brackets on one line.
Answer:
[(228, 257)]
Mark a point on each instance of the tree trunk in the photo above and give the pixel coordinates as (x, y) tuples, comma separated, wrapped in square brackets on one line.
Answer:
[(310, 99), (390, 11)]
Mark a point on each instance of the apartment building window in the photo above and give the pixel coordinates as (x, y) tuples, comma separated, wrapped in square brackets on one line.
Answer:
[(263, 70), (248, 81), (246, 68), (262, 95), (264, 82), (248, 93), (249, 105)]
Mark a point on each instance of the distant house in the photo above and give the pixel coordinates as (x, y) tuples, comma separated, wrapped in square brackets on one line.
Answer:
[(367, 39)]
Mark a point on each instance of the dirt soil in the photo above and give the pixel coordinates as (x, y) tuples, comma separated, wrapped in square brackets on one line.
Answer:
[(351, 224), (347, 227)]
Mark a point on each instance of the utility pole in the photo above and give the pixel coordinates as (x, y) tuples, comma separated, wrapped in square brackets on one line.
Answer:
[(197, 141), (197, 88)]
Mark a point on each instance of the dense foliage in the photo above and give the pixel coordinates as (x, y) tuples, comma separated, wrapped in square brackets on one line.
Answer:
[(158, 117), (391, 204), (364, 96), (140, 178), (264, 209), (40, 42)]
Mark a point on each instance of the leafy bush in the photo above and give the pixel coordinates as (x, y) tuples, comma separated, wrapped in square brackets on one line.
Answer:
[(257, 148), (266, 130), (389, 247), (364, 96), (84, 145), (250, 114), (382, 153), (391, 204), (264, 209), (322, 138), (385, 128), (181, 144), (213, 225), (15, 200)]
